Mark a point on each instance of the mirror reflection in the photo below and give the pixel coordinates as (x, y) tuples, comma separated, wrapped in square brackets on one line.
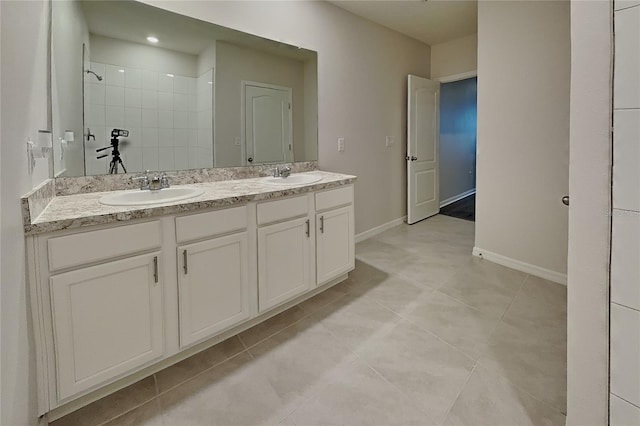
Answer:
[(139, 88)]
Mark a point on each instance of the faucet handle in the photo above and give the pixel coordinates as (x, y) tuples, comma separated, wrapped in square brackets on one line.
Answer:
[(164, 180), (144, 181)]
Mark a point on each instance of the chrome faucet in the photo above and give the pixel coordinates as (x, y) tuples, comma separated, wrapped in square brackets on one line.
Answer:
[(283, 173), (155, 183)]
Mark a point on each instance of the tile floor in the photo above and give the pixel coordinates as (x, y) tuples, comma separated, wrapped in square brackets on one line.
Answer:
[(421, 333)]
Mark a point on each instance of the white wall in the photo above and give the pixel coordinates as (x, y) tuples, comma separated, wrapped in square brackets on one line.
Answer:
[(523, 133), (23, 85), (207, 59), (109, 50), (589, 220), (238, 63), (362, 74), (625, 250), (455, 56)]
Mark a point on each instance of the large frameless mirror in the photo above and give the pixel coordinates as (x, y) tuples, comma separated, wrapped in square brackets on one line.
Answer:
[(136, 88)]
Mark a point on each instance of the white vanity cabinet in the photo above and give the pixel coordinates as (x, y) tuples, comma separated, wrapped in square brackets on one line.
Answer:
[(213, 275), (334, 233), (115, 302), (107, 318), (284, 250)]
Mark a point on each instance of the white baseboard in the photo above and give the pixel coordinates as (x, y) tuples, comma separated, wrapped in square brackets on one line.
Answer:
[(379, 229), (458, 197), (518, 265)]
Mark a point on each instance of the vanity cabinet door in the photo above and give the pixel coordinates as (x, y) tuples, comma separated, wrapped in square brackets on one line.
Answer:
[(107, 321), (213, 286), (283, 261), (334, 243)]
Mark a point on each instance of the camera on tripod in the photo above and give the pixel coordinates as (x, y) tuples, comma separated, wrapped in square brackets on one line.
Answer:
[(116, 160)]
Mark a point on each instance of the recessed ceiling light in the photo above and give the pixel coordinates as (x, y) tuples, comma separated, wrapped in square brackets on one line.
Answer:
[(120, 70), (169, 75), (210, 82), (152, 39)]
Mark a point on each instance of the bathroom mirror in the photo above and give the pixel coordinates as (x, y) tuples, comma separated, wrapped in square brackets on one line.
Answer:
[(135, 87)]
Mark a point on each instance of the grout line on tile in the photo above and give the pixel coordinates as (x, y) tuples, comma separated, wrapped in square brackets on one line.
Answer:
[(548, 404), (127, 411), (526, 277), (306, 315), (462, 388), (160, 393), (625, 400), (155, 383)]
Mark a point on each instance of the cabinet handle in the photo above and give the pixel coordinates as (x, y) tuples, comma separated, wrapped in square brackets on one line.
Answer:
[(155, 269), (322, 224), (308, 228), (184, 262)]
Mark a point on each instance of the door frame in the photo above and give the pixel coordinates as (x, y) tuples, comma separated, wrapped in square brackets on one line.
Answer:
[(450, 79), (243, 87)]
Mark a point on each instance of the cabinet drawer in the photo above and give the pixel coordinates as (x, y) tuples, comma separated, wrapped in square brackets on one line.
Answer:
[(93, 246), (334, 198), (274, 211), (210, 224)]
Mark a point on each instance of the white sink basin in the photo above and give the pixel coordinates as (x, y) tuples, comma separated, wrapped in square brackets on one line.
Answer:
[(292, 180), (137, 197)]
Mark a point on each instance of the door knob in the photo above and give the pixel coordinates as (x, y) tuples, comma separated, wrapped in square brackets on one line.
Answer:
[(412, 158), (565, 200), (250, 159)]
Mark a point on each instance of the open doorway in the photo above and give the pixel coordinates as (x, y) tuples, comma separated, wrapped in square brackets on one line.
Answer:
[(458, 135)]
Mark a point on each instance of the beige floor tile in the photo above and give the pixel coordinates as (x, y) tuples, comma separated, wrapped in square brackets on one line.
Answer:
[(186, 369), (356, 395), (529, 346), (111, 406), (490, 400), (540, 302), (393, 292), (426, 272), (364, 272), (354, 319), (386, 257), (235, 392), (486, 286), (420, 365), (296, 360), (464, 327), (148, 414), (271, 326), (322, 299)]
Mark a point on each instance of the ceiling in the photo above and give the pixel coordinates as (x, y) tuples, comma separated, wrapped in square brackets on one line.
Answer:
[(432, 21), (133, 21)]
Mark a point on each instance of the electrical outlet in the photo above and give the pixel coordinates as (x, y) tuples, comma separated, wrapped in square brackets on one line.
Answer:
[(340, 144), (236, 141), (390, 141)]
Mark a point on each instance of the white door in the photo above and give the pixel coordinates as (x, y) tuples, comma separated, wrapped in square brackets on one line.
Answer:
[(334, 242), (213, 291), (268, 124), (107, 321), (283, 261), (423, 189)]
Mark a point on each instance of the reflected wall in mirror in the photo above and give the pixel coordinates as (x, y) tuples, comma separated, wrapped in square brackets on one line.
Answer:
[(138, 88)]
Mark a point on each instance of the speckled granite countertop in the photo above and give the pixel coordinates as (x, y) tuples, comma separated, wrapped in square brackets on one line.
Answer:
[(79, 210)]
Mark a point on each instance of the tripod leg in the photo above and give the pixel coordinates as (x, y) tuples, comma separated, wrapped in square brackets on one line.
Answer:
[(122, 164)]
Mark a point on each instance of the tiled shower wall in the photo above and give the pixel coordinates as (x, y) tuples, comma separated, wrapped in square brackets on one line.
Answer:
[(625, 256), (165, 114)]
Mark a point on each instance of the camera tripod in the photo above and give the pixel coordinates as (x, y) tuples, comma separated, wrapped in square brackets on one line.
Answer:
[(116, 160)]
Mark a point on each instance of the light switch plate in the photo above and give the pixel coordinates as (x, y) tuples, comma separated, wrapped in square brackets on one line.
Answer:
[(340, 144)]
